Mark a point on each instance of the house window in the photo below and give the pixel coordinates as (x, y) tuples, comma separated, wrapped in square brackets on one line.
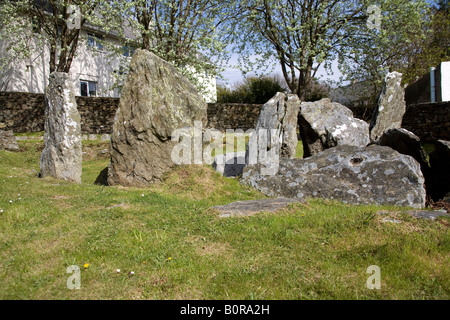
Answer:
[(95, 41), (88, 88)]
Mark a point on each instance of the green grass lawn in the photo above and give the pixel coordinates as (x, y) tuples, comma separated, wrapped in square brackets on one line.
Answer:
[(180, 249)]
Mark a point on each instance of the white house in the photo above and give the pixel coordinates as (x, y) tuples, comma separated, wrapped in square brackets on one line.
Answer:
[(94, 70)]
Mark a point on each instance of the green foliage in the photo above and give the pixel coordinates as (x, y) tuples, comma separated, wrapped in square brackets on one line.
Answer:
[(257, 90), (433, 49), (29, 26), (403, 30), (318, 91), (185, 33), (301, 36)]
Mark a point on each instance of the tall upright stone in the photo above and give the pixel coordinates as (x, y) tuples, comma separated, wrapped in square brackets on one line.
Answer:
[(278, 119), (156, 100), (62, 154), (325, 124), (390, 108)]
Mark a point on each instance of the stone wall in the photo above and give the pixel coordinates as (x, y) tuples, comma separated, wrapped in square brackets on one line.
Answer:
[(97, 114), (24, 112), (429, 121), (224, 116)]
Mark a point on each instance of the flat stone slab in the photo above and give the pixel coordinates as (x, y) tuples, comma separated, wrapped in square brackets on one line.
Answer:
[(430, 215), (251, 207), (423, 214)]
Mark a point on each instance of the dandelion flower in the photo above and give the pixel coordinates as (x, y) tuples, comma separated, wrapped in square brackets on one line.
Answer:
[(86, 265), (170, 258)]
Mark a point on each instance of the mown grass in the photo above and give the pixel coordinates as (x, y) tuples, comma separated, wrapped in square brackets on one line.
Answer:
[(178, 248)]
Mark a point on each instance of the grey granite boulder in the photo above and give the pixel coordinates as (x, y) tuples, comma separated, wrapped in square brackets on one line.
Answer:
[(278, 122), (230, 164), (62, 154), (156, 100), (325, 124), (440, 169), (8, 141), (390, 108), (406, 142), (355, 175)]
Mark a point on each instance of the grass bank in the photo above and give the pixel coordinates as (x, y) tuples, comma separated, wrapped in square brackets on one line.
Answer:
[(177, 248)]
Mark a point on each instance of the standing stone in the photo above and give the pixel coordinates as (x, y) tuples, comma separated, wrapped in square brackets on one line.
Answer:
[(354, 175), (390, 108), (406, 142), (62, 154), (278, 118), (325, 124), (8, 141), (440, 167), (156, 100)]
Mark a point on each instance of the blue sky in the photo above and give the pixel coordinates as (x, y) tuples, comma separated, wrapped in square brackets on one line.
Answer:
[(232, 75)]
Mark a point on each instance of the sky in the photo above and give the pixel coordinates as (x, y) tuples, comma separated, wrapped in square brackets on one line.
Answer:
[(232, 75)]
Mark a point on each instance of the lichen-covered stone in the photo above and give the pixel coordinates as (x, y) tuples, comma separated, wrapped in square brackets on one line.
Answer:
[(406, 142), (8, 141), (355, 175), (278, 118), (62, 154), (251, 207), (325, 124), (156, 100), (390, 108)]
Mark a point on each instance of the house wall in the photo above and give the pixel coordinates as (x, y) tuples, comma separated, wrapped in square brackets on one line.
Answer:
[(445, 81), (90, 64)]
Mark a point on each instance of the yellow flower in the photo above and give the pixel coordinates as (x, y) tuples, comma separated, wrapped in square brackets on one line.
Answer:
[(170, 258), (86, 265)]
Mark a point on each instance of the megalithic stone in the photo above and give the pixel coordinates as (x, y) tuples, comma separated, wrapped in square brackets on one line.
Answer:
[(156, 101), (390, 108), (62, 154)]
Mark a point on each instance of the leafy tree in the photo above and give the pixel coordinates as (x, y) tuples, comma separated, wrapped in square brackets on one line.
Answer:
[(434, 48), (186, 33), (300, 35), (376, 51), (28, 25), (257, 90)]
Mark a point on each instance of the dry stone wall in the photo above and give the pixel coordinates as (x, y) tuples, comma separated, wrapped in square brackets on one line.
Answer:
[(24, 112)]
